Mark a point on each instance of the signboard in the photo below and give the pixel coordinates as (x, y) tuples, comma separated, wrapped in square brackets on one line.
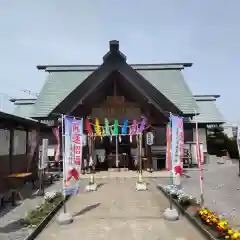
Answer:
[(209, 126), (49, 123), (51, 152), (150, 138)]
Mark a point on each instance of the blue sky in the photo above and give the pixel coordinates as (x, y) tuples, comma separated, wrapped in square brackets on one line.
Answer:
[(204, 32)]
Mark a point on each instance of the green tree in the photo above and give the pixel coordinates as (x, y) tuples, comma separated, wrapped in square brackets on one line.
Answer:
[(220, 144), (216, 141)]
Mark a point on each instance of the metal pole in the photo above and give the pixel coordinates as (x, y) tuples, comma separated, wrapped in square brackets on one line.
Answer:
[(237, 140), (140, 153), (64, 165), (199, 160), (117, 165), (170, 166)]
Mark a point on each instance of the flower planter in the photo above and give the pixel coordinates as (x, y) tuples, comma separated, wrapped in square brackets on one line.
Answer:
[(204, 220)]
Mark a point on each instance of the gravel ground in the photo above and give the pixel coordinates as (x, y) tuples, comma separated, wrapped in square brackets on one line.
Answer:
[(117, 211), (221, 189), (10, 227)]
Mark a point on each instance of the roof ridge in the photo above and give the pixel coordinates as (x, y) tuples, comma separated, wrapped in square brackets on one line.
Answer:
[(135, 65)]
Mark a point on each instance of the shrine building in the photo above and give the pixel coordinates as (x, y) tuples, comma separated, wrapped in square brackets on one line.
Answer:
[(116, 89)]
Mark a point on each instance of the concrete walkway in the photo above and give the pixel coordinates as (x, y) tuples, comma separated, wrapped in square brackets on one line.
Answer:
[(117, 211)]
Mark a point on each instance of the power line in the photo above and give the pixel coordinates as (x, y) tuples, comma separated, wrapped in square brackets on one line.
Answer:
[(6, 95), (28, 91)]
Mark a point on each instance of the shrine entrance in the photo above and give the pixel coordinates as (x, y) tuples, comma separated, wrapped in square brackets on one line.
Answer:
[(112, 156), (116, 99)]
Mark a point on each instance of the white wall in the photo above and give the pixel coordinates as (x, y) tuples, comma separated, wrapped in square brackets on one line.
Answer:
[(202, 137)]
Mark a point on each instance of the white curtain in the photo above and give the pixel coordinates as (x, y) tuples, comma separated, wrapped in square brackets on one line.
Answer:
[(4, 142), (19, 142)]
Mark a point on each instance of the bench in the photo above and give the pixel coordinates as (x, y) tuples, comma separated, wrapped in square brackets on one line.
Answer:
[(10, 195)]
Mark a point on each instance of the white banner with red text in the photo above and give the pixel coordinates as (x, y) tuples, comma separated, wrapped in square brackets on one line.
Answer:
[(73, 135)]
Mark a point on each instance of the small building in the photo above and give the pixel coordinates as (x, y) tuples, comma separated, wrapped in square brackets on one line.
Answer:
[(18, 146), (118, 90), (230, 129)]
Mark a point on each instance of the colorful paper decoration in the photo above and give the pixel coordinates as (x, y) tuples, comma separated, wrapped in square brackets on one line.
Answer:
[(124, 128), (133, 128), (107, 129), (115, 127), (142, 126), (98, 128), (88, 126)]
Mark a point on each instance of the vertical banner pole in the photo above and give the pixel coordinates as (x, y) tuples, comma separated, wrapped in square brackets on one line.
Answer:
[(81, 146), (140, 153), (238, 145), (117, 165), (170, 162), (199, 161), (64, 166)]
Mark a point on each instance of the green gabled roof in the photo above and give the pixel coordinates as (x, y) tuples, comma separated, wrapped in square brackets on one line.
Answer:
[(171, 83), (209, 113), (24, 110), (63, 79), (56, 88)]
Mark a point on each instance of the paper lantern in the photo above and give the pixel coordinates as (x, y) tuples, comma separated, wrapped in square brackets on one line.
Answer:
[(98, 128), (115, 127), (107, 129), (124, 128)]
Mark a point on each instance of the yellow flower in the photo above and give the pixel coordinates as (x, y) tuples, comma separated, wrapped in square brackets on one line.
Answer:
[(223, 223), (235, 235), (227, 237), (205, 211), (230, 231)]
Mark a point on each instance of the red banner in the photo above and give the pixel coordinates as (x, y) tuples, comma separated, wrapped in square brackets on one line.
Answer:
[(168, 150), (56, 133)]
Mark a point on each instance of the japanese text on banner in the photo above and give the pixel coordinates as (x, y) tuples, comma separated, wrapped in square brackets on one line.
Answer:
[(76, 136)]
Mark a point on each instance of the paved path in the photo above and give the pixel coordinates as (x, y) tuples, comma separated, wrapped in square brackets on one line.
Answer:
[(117, 211), (126, 174), (221, 189)]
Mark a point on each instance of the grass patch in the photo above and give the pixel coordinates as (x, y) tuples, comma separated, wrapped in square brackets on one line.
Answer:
[(36, 216)]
